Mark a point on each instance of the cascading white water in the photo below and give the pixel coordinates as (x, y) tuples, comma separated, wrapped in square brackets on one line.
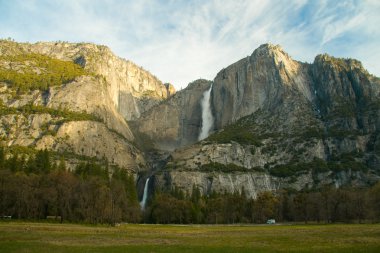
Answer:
[(207, 118), (145, 195)]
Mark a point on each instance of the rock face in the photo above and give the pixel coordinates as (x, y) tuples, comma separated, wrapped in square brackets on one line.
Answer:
[(257, 82), (255, 182), (93, 139), (252, 183), (285, 124), (90, 95), (278, 123), (246, 170), (269, 77), (114, 90), (132, 89), (176, 122)]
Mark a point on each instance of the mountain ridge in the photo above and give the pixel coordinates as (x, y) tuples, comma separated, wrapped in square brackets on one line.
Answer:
[(278, 123), (300, 121)]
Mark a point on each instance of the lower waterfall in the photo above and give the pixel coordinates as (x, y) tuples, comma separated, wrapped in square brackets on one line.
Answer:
[(145, 195)]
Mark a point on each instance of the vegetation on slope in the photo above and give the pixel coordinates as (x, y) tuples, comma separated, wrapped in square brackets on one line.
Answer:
[(291, 141), (344, 162), (236, 132), (29, 71), (64, 113)]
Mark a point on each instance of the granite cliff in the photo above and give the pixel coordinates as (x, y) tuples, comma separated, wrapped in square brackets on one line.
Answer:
[(111, 90), (276, 122), (280, 123), (176, 122)]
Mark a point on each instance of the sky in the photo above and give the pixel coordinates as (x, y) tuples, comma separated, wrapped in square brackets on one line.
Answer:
[(182, 40)]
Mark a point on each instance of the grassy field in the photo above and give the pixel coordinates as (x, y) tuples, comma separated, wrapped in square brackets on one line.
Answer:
[(45, 237)]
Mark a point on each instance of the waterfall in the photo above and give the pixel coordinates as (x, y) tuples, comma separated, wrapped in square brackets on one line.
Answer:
[(207, 119), (145, 195)]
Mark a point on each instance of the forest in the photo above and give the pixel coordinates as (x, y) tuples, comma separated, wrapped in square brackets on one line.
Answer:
[(35, 187), (39, 186)]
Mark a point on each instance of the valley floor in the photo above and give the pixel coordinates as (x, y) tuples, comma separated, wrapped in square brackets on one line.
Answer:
[(46, 237)]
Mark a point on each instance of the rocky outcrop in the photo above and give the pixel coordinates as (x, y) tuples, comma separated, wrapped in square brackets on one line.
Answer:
[(76, 138), (259, 81), (346, 95), (245, 156), (176, 122), (253, 182), (98, 93), (269, 78), (23, 130), (90, 95), (246, 168), (132, 89), (93, 139)]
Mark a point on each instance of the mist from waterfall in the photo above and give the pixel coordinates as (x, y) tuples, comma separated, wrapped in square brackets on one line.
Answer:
[(207, 118), (145, 195)]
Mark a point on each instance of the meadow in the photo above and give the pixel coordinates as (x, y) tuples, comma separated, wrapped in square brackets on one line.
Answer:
[(50, 237)]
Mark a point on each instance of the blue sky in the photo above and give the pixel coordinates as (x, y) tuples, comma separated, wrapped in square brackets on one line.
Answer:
[(180, 41)]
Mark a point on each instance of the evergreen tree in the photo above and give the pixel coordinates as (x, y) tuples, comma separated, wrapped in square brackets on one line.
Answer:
[(62, 164), (13, 163), (2, 158), (130, 188), (42, 161)]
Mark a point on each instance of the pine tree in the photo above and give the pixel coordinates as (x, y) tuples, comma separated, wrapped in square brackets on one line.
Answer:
[(42, 161), (62, 164), (2, 158), (131, 190), (13, 163)]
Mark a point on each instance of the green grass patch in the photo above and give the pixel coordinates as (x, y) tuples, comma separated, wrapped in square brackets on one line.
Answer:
[(42, 237)]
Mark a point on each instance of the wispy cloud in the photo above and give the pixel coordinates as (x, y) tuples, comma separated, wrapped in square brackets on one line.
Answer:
[(180, 41)]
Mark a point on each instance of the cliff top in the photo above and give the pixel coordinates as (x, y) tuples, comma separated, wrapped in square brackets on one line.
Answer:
[(344, 63), (64, 50)]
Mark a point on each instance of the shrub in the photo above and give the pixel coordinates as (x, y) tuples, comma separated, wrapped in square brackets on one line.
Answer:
[(210, 167), (67, 115), (317, 166), (237, 133)]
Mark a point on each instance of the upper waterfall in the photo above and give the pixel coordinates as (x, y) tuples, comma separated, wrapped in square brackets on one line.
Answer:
[(207, 118)]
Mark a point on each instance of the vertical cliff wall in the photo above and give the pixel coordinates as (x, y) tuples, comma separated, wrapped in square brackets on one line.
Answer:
[(177, 121), (259, 81), (282, 123)]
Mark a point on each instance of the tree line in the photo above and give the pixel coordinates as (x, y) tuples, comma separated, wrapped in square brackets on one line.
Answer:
[(36, 187), (325, 205)]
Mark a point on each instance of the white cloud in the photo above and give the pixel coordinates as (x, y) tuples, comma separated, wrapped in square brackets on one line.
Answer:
[(180, 41)]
